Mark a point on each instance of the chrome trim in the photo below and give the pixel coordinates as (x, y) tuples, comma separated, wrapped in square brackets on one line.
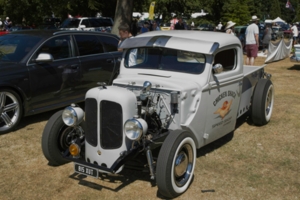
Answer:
[(214, 47)]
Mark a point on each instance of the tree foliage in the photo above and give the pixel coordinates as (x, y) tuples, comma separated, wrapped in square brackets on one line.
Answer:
[(239, 11), (236, 11)]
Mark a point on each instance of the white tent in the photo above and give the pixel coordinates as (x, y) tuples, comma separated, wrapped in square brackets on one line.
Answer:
[(268, 21), (278, 19)]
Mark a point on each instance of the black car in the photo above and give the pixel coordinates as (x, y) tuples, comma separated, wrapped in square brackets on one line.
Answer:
[(41, 70), (18, 28)]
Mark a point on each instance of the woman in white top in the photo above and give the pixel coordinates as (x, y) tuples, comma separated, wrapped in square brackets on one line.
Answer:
[(230, 28)]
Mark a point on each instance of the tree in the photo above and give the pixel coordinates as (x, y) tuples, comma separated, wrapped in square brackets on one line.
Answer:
[(297, 11), (275, 9), (123, 14), (236, 11)]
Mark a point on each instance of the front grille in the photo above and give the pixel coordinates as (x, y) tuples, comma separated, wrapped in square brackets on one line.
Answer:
[(91, 121), (111, 122)]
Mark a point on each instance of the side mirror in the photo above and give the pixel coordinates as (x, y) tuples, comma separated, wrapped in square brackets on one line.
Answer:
[(44, 57), (217, 68)]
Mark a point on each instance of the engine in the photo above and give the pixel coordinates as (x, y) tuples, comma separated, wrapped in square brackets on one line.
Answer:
[(156, 108)]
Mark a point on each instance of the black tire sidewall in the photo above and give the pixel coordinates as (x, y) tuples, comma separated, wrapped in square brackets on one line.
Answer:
[(165, 162), (258, 106), (50, 137)]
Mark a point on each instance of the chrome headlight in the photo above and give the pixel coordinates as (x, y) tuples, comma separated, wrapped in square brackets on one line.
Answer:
[(72, 116), (134, 128)]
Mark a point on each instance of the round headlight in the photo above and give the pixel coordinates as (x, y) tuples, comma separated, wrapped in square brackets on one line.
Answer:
[(134, 128), (72, 116)]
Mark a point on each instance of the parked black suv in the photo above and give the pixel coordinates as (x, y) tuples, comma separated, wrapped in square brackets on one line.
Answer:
[(41, 70)]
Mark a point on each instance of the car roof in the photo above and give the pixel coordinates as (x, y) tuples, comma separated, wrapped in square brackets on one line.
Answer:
[(51, 32), (197, 41)]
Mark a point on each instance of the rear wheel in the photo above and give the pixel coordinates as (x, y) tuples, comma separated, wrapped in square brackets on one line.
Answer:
[(10, 110), (57, 137), (176, 163), (262, 102)]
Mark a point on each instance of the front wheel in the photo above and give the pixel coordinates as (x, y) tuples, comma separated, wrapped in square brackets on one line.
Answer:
[(262, 102), (176, 163), (57, 137)]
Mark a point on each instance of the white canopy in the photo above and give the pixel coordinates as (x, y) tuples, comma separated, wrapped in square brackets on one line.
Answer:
[(269, 21), (278, 19)]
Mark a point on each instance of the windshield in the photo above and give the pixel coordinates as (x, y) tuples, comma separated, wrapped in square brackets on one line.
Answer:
[(165, 59), (13, 48), (70, 23)]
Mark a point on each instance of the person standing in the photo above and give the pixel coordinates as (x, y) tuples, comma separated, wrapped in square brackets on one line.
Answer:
[(295, 33), (192, 24), (124, 32), (7, 24), (179, 25), (0, 24), (155, 26), (219, 27), (267, 37), (252, 42), (145, 27), (230, 28), (134, 27)]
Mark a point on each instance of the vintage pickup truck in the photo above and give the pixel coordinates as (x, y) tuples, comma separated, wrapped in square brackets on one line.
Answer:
[(176, 92)]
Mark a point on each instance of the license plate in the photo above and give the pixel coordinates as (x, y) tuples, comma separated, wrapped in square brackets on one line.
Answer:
[(89, 171)]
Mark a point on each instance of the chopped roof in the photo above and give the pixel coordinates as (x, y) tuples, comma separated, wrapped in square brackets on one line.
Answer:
[(197, 41)]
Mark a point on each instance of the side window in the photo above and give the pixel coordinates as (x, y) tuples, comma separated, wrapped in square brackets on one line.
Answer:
[(88, 44), (110, 43), (58, 47), (95, 23), (227, 59), (86, 23)]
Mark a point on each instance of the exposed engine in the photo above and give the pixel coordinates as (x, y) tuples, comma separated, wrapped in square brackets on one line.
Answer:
[(156, 110)]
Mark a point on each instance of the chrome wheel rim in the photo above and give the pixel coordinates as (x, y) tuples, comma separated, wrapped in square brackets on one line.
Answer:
[(9, 110), (183, 165), (269, 102)]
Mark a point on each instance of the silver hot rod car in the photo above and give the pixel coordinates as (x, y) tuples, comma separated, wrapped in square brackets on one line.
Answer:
[(176, 92)]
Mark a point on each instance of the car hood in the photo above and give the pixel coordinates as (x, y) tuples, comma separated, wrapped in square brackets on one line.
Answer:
[(5, 64), (158, 82)]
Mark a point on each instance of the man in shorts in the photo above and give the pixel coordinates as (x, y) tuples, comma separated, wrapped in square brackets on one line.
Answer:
[(252, 42)]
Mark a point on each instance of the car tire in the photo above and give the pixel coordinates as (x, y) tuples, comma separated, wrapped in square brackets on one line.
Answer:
[(178, 148), (262, 102), (56, 139), (11, 110)]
